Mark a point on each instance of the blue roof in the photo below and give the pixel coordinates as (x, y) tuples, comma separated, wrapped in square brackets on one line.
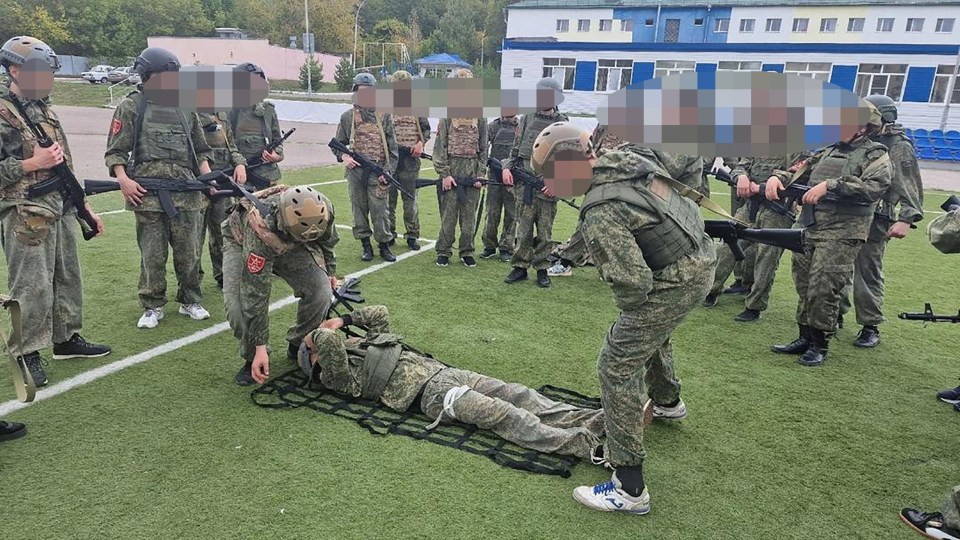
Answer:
[(443, 59)]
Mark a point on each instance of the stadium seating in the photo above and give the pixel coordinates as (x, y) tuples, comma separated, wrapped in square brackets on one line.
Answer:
[(935, 144)]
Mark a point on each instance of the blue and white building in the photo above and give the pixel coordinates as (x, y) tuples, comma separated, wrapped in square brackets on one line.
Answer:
[(906, 49)]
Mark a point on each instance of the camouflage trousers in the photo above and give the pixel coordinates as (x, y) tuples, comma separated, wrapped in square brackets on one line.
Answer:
[(727, 264), (533, 250), (299, 270), (44, 275), (368, 201), (157, 234), (820, 273), (636, 361), (766, 261), (456, 212), (213, 216), (574, 250), (516, 413), (411, 215), (951, 509), (867, 284), (500, 203)]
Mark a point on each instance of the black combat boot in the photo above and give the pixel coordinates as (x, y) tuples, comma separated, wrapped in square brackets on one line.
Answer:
[(505, 256), (244, 377), (385, 252), (797, 346), (487, 253), (543, 280), (748, 315), (868, 338), (711, 300), (817, 351), (515, 275), (737, 287), (412, 244), (367, 250)]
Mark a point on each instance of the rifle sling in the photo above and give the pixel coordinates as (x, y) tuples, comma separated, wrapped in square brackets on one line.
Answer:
[(22, 380), (699, 198)]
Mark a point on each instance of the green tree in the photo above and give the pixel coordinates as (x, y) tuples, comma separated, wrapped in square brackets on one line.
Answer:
[(389, 31), (315, 71), (344, 75)]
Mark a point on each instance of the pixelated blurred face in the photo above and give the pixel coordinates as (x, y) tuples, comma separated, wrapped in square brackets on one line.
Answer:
[(568, 173), (163, 88), (365, 97), (35, 79), (205, 89)]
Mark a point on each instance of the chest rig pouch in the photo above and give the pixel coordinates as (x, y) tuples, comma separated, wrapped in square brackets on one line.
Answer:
[(382, 355), (50, 124), (368, 138), (407, 130), (503, 140), (464, 137), (162, 134)]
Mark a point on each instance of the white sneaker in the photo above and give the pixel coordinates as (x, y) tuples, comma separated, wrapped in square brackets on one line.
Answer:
[(150, 318), (677, 412), (558, 269), (608, 497), (195, 311)]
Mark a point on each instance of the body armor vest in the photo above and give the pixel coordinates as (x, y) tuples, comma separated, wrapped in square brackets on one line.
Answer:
[(534, 124), (215, 133), (163, 137), (379, 362), (464, 140), (368, 138), (503, 141), (51, 125), (407, 130), (251, 135)]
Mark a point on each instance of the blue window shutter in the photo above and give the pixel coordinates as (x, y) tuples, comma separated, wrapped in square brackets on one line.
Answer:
[(772, 67), (586, 76), (844, 76), (642, 71), (706, 68), (919, 84)]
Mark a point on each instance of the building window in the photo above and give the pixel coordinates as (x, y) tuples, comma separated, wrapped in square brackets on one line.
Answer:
[(828, 25), (884, 25), (583, 25), (612, 75), (721, 26), (665, 68), (941, 85), (563, 25), (626, 25), (698, 22), (746, 25), (606, 25), (914, 25), (773, 25), (517, 73), (561, 69), (886, 79), (671, 31), (648, 22), (800, 25), (812, 70), (945, 26), (738, 66), (855, 24)]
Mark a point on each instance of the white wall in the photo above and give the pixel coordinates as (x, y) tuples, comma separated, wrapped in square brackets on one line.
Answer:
[(543, 23)]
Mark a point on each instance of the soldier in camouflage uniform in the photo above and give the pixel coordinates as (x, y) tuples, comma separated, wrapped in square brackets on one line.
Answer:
[(294, 242), (532, 250), (39, 234), (412, 134), (906, 190), (648, 243), (502, 134), (726, 263), (224, 154), (253, 129), (378, 367), (171, 146), (858, 172), (459, 155), (371, 134)]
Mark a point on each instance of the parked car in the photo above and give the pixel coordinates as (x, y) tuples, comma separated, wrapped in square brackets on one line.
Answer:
[(98, 74), (124, 75)]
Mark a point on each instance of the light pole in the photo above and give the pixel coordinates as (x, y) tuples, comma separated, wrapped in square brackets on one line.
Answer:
[(356, 23), (308, 47)]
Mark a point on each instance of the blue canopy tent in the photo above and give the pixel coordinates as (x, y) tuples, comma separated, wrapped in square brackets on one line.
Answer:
[(439, 65)]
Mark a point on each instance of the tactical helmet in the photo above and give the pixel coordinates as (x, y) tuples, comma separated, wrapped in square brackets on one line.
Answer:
[(555, 138), (363, 79), (886, 106), (401, 75), (155, 60), (875, 119), (463, 73), (250, 67), (17, 50), (549, 83), (303, 213)]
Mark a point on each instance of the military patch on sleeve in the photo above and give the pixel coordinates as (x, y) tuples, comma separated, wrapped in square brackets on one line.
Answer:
[(115, 126), (255, 263)]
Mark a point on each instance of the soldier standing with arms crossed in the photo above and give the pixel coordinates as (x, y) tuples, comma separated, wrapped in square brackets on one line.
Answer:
[(412, 133), (501, 133)]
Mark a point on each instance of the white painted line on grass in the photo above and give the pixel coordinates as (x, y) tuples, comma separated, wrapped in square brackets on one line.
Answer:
[(331, 182), (89, 376)]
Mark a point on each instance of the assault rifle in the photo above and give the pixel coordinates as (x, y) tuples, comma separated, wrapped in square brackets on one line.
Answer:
[(63, 179), (222, 181), (460, 182), (254, 179), (529, 182), (406, 150), (731, 232), (346, 295), (369, 167), (758, 200), (162, 187), (929, 316)]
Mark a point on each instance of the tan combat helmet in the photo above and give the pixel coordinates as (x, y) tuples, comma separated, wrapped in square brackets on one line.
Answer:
[(400, 75), (18, 50), (463, 73), (303, 213), (556, 138)]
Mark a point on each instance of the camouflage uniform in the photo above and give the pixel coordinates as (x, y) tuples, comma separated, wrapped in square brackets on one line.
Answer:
[(532, 250), (371, 134), (225, 155), (460, 152), (501, 133), (514, 412), (951, 509), (409, 130), (165, 150), (253, 128), (254, 251), (39, 236), (822, 270), (906, 189), (648, 243)]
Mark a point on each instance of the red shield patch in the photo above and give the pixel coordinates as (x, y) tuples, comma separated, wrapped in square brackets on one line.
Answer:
[(115, 126), (255, 263)]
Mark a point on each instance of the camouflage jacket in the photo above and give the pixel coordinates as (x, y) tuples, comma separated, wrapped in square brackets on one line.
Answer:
[(342, 367), (687, 170), (906, 188), (253, 128), (447, 165), (259, 258), (217, 133), (345, 129)]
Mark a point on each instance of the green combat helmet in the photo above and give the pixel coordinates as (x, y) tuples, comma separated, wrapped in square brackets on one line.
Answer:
[(886, 106), (155, 60), (18, 50), (250, 67), (363, 79)]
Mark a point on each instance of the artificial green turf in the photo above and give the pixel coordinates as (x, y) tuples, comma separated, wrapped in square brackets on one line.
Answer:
[(172, 449)]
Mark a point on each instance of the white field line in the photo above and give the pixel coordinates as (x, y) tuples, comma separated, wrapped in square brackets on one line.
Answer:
[(113, 367)]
